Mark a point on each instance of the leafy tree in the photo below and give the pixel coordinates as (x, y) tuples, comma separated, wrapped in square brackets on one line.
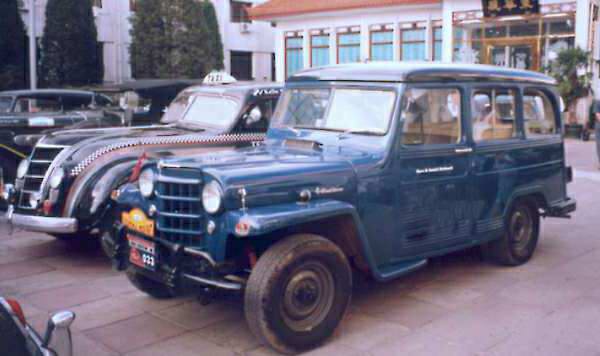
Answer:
[(214, 43), (570, 71), (70, 51), (172, 39), (12, 47)]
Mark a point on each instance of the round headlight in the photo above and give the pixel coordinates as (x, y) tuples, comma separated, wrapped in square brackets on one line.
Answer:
[(22, 169), (56, 178), (212, 197), (146, 183)]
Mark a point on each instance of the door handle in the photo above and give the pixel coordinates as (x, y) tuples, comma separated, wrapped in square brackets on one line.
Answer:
[(464, 150)]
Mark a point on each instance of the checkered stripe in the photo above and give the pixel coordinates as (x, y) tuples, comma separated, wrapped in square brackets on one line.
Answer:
[(178, 140)]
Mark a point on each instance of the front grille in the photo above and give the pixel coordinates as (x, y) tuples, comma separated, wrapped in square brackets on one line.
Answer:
[(181, 217), (41, 159)]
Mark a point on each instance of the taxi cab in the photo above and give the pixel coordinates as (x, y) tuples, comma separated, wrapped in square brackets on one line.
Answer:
[(374, 167), (63, 188)]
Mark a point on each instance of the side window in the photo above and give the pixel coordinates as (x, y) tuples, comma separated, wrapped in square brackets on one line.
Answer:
[(431, 116), (539, 114), (494, 114), (258, 116)]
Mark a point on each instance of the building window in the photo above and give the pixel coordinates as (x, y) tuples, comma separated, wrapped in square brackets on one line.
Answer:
[(239, 11), (348, 50), (436, 48), (412, 44), (382, 45), (132, 5), (97, 3), (294, 56), (319, 50), (241, 65)]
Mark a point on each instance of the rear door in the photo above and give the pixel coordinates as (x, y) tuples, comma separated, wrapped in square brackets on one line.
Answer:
[(432, 172)]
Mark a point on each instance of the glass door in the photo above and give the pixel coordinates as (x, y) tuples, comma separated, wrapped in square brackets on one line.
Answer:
[(513, 54)]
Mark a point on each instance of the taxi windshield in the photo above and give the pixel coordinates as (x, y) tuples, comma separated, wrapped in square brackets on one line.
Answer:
[(211, 111), (352, 110), (5, 103)]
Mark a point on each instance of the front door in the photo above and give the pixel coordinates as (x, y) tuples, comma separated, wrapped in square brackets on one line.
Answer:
[(432, 173), (522, 54)]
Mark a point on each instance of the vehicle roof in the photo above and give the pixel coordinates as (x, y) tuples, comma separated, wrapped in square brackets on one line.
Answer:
[(418, 72), (238, 88), (46, 92)]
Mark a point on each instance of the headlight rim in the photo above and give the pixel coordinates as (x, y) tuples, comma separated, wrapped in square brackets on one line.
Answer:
[(22, 168), (146, 193), (219, 193), (52, 182)]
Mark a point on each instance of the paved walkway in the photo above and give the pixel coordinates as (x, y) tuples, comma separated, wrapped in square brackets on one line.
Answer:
[(458, 305)]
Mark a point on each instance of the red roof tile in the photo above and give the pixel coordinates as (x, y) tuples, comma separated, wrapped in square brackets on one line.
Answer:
[(275, 8)]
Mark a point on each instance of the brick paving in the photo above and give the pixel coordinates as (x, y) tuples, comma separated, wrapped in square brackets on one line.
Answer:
[(458, 305)]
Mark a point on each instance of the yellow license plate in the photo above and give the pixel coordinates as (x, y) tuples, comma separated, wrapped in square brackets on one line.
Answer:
[(137, 221)]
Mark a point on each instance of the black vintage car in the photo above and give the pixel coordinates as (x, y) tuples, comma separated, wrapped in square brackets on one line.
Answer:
[(64, 186), (24, 114)]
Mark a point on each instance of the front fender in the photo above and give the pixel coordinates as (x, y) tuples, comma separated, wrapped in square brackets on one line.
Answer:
[(267, 219)]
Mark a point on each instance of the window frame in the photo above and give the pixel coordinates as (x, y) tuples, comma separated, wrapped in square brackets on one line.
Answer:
[(402, 42), (241, 17), (371, 43), (287, 49), (555, 108), (328, 46), (464, 115), (434, 41), (340, 46), (520, 134)]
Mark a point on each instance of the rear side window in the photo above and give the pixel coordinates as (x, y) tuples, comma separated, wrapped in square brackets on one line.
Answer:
[(539, 114), (494, 114), (431, 116)]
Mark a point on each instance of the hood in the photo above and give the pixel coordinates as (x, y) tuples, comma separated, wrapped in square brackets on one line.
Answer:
[(276, 173), (104, 135)]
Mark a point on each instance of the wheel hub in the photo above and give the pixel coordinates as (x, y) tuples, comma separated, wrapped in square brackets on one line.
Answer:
[(308, 296)]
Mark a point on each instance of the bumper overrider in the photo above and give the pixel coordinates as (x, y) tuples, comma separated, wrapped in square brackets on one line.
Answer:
[(41, 223), (177, 266)]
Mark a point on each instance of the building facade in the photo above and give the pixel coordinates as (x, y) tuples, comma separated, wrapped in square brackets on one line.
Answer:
[(315, 33), (249, 46)]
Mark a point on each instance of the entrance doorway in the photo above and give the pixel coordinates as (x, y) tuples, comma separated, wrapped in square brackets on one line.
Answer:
[(519, 54)]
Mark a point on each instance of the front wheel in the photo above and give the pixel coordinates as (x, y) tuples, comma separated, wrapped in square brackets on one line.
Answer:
[(298, 293), (522, 229)]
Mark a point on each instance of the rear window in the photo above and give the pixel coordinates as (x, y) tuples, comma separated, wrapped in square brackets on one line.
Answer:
[(539, 114), (493, 114)]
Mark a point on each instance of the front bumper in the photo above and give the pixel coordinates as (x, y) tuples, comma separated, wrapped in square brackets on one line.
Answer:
[(45, 224), (179, 267)]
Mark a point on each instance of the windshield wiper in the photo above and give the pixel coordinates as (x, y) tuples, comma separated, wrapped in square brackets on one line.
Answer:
[(319, 128), (189, 126), (363, 132)]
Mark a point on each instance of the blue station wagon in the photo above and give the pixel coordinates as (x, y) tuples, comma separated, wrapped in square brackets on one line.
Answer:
[(374, 167)]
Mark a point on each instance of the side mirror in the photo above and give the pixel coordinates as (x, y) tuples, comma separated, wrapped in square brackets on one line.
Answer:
[(254, 116), (58, 333)]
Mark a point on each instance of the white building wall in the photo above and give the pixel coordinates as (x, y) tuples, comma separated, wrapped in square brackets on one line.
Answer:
[(255, 37), (113, 25)]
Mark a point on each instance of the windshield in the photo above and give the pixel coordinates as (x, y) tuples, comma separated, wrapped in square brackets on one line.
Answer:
[(5, 103), (337, 109), (211, 111), (176, 110)]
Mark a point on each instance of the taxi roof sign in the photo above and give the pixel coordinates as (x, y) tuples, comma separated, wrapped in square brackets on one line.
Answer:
[(216, 78)]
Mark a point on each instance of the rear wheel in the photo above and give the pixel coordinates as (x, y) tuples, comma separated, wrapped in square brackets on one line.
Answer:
[(522, 228), (297, 293), (152, 288)]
